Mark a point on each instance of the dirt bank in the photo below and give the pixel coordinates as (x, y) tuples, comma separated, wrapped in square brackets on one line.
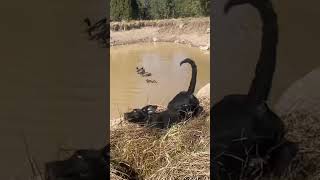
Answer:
[(190, 31)]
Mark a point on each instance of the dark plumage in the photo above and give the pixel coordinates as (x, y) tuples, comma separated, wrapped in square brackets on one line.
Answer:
[(185, 101), (244, 127), (182, 107), (88, 164)]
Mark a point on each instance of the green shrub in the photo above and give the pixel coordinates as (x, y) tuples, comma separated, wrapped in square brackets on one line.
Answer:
[(158, 9), (124, 10)]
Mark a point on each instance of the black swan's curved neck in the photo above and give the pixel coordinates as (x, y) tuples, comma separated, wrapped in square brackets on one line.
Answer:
[(261, 84), (193, 81)]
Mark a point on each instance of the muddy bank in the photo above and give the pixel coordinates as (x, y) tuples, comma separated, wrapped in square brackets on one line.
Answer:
[(191, 31)]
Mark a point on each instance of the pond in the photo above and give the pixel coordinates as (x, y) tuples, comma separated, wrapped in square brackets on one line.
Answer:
[(130, 90)]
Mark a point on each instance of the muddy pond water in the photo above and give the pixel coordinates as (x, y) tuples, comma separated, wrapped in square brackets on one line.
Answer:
[(130, 90)]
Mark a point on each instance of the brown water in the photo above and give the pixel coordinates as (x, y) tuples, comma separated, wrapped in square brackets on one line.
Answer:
[(130, 90), (52, 82)]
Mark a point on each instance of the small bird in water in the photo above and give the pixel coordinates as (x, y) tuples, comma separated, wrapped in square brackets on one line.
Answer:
[(151, 81), (140, 70), (146, 74)]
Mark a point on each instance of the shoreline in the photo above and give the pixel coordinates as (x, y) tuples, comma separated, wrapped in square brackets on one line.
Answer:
[(194, 32)]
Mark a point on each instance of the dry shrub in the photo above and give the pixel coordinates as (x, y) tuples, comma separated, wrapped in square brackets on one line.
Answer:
[(181, 152)]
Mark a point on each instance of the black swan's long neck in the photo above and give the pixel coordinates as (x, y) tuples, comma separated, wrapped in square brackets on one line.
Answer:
[(193, 81), (261, 84)]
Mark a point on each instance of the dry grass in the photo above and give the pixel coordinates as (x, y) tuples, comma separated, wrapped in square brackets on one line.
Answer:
[(182, 152), (304, 129)]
